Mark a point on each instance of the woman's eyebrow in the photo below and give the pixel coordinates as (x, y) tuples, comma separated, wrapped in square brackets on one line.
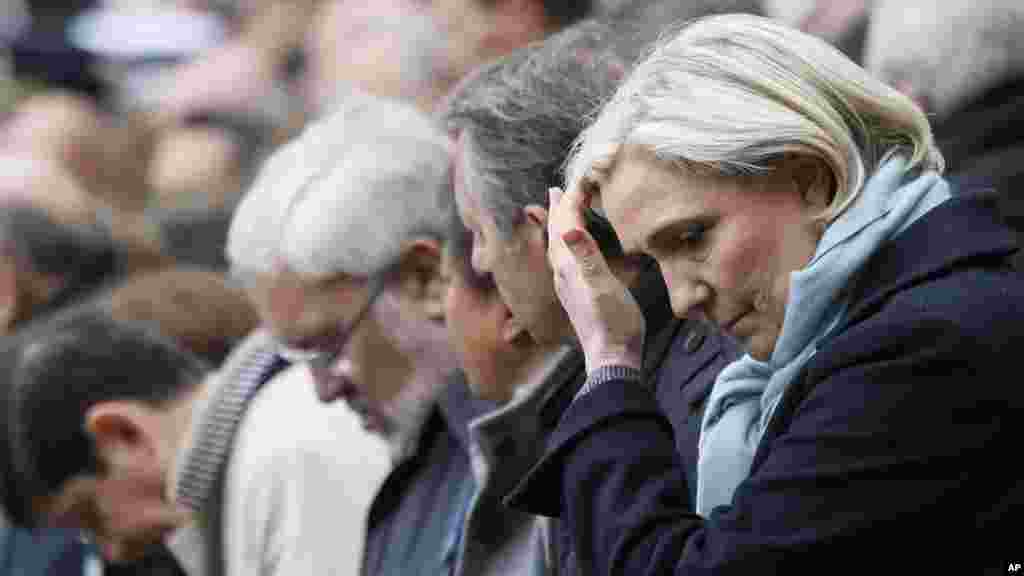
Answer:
[(671, 229)]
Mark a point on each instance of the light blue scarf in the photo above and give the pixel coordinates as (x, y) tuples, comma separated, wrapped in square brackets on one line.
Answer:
[(747, 391)]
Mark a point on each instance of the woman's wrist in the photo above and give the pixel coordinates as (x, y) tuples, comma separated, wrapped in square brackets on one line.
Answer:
[(601, 352), (608, 373), (623, 358)]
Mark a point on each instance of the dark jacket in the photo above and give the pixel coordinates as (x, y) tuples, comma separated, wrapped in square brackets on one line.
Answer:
[(983, 143), (893, 446), (415, 520), (682, 358)]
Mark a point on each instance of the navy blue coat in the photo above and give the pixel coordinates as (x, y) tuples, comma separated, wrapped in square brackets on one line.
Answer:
[(897, 444), (681, 360)]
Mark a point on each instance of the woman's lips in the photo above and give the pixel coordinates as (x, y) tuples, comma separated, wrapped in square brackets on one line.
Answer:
[(730, 326)]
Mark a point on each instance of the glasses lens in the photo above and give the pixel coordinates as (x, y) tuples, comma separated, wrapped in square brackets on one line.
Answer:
[(322, 360)]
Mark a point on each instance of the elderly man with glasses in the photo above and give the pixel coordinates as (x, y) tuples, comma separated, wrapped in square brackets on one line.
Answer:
[(339, 245)]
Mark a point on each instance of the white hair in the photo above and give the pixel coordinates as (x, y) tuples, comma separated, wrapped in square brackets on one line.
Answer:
[(346, 195), (732, 94), (946, 52)]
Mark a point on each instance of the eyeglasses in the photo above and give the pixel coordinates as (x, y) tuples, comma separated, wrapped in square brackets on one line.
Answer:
[(322, 360)]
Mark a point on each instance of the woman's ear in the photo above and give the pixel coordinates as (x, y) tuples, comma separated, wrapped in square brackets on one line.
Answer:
[(423, 278), (814, 181)]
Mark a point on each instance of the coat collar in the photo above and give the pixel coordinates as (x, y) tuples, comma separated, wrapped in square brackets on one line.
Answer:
[(958, 231)]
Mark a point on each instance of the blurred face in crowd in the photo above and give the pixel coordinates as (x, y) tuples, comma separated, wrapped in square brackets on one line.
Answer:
[(46, 186), (195, 168), (726, 246), (477, 31), (490, 343), (382, 354), (124, 507), (517, 261), (386, 48), (107, 159)]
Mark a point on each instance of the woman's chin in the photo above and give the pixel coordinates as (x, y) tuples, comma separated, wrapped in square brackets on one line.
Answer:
[(759, 347)]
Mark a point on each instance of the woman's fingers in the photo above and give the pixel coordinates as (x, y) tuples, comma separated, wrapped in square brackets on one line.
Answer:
[(604, 315), (586, 254)]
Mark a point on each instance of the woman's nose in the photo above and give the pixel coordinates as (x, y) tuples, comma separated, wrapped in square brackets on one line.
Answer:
[(687, 293)]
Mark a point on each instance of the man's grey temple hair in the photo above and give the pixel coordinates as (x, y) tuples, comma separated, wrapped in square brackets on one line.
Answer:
[(519, 116)]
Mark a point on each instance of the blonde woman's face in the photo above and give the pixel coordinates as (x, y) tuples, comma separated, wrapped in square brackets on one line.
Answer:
[(726, 246)]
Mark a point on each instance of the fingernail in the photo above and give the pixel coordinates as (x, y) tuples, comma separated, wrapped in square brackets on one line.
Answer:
[(572, 237)]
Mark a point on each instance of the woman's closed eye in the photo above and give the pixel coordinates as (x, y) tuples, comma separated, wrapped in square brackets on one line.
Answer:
[(693, 238), (688, 240)]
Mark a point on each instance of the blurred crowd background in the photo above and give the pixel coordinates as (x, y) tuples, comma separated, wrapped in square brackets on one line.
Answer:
[(129, 129)]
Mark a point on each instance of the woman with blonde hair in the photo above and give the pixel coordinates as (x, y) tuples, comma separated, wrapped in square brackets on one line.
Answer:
[(797, 203)]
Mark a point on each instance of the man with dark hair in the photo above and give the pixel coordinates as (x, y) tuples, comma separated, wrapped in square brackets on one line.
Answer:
[(89, 408), (108, 429)]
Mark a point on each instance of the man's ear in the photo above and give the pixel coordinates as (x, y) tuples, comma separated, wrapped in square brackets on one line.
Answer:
[(512, 331), (122, 431), (535, 222), (9, 294), (422, 278)]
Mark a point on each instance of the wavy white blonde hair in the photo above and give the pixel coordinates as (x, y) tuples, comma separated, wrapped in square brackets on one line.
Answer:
[(732, 94)]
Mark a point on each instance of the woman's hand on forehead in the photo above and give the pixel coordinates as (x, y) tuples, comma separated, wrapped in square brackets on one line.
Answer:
[(606, 318)]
